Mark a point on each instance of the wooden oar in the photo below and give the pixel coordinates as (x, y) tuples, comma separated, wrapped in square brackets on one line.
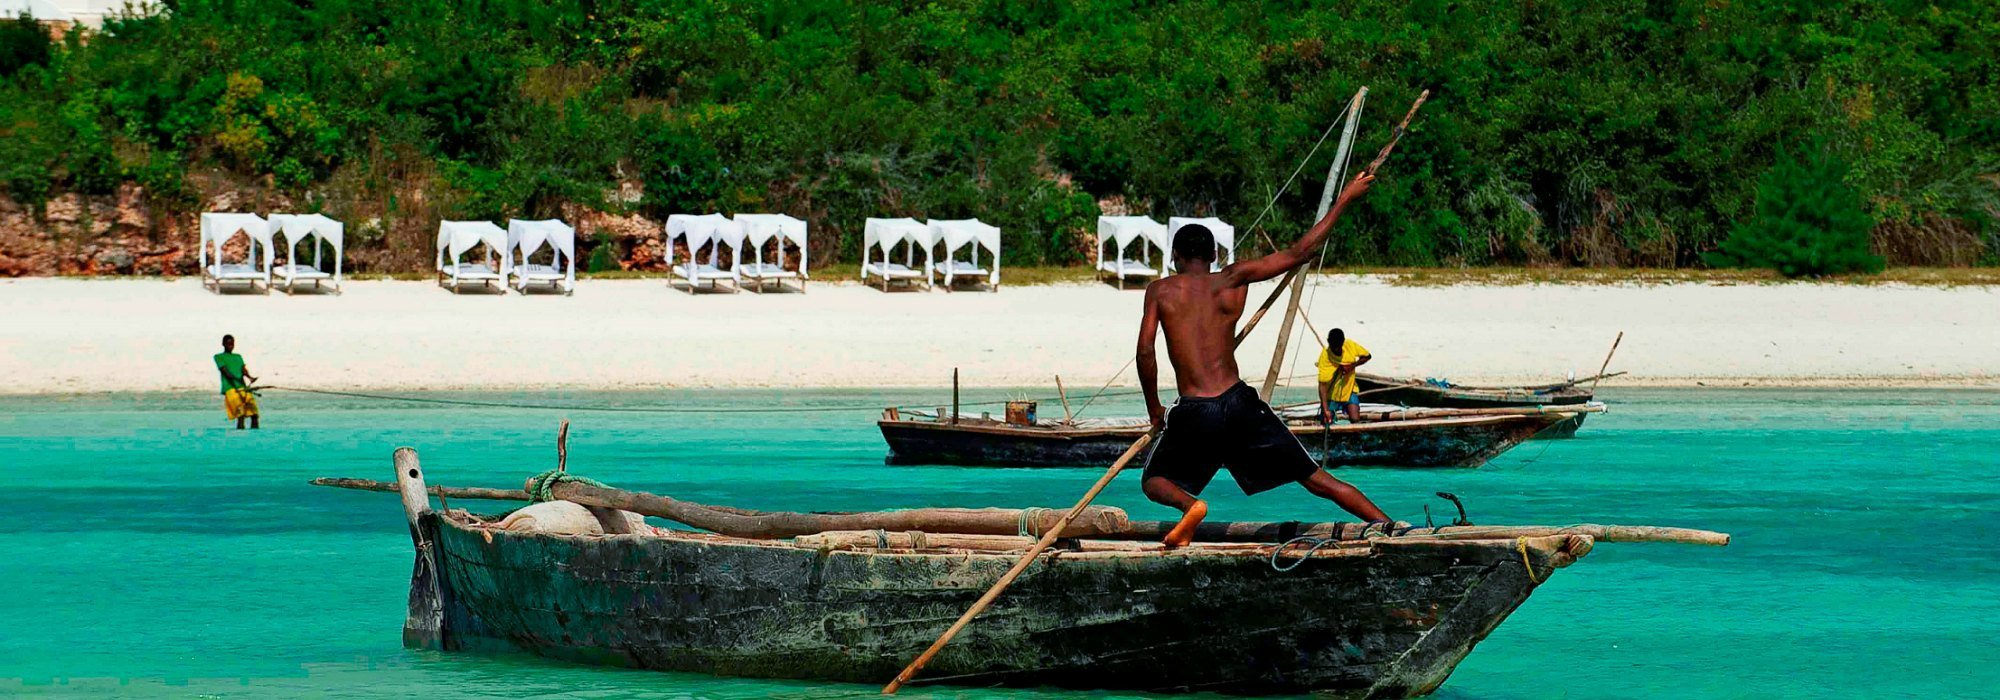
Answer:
[(1020, 565)]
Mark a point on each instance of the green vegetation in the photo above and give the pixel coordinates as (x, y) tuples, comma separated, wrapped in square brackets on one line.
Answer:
[(1809, 222), (1582, 132)]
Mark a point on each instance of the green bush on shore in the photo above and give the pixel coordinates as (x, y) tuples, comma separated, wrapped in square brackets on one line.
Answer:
[(1586, 132), (1809, 222)]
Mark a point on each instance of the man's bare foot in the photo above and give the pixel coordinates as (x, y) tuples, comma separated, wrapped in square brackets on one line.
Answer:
[(1183, 533)]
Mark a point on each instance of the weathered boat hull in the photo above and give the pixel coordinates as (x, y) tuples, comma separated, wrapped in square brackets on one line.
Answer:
[(1378, 620), (1439, 442), (1390, 390)]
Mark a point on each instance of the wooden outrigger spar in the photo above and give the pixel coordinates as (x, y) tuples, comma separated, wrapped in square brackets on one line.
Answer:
[(1230, 613)]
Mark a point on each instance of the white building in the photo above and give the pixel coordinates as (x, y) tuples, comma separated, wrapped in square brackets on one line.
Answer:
[(88, 13)]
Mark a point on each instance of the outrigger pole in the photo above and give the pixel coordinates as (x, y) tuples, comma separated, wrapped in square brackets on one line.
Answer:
[(1138, 446)]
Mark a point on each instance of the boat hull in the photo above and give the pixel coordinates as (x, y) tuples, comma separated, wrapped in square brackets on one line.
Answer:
[(1390, 390), (1386, 619), (1441, 442)]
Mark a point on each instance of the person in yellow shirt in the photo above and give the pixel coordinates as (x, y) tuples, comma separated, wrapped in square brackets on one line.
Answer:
[(1336, 376)]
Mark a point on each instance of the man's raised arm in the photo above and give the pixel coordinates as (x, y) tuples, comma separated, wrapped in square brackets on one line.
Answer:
[(1251, 271)]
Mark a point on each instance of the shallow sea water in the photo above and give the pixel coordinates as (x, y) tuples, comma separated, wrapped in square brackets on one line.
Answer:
[(150, 552)]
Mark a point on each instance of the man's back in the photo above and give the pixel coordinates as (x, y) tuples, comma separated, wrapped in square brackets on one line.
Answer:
[(1198, 312), (231, 366)]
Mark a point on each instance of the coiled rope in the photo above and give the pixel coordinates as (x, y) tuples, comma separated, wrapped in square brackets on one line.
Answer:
[(541, 487)]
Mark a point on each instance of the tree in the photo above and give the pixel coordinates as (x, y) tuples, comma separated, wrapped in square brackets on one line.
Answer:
[(23, 42), (1809, 222)]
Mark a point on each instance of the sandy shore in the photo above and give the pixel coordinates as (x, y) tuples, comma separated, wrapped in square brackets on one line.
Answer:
[(66, 335)]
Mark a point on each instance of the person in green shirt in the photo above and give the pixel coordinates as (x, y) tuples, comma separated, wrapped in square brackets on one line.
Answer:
[(237, 398)]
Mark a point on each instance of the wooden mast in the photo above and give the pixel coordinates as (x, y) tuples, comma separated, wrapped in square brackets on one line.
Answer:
[(1298, 281)]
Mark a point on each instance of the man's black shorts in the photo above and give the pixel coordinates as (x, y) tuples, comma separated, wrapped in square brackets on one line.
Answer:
[(1235, 430)]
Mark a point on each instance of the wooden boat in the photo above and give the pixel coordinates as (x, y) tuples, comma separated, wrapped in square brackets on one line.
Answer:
[(1415, 441), (1353, 617), (1418, 392)]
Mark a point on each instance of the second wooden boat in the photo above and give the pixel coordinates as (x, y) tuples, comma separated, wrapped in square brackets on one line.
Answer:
[(1405, 391), (1445, 441)]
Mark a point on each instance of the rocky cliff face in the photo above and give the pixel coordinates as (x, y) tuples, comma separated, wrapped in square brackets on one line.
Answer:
[(95, 235), (122, 234)]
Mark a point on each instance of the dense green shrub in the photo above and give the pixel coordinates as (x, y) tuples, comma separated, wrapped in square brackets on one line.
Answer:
[(1576, 132), (603, 254), (1809, 222), (23, 43)]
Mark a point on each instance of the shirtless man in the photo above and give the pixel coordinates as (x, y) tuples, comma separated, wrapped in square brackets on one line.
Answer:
[(1218, 420)]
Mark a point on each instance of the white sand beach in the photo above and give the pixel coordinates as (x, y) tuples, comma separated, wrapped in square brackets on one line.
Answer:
[(90, 335)]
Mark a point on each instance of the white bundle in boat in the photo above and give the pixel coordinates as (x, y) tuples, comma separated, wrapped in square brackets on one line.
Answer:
[(566, 518)]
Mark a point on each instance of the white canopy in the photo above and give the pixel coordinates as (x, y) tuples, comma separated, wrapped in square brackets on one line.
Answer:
[(455, 238), (886, 233), (1119, 232), (712, 231), (217, 228), (1225, 236), (701, 230), (525, 238), (1122, 230), (958, 233), (759, 229), (295, 229)]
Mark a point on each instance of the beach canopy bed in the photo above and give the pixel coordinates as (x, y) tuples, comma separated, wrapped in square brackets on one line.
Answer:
[(884, 234), (217, 229), (1119, 233), (966, 233), (761, 229), (455, 239), (1225, 238), (324, 232), (526, 238), (715, 232)]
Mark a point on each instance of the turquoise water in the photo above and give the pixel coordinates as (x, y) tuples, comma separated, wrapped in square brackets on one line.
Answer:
[(150, 552)]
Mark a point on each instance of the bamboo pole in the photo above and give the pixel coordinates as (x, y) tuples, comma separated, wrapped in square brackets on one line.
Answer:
[(1607, 362), (1298, 282), (954, 396), (1095, 521), (1020, 565), (478, 494), (1068, 419)]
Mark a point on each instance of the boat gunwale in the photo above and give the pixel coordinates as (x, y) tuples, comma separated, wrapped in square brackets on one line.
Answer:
[(1548, 545), (1060, 432)]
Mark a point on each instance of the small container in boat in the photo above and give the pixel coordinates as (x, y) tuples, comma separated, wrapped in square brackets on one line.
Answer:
[(1020, 413)]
